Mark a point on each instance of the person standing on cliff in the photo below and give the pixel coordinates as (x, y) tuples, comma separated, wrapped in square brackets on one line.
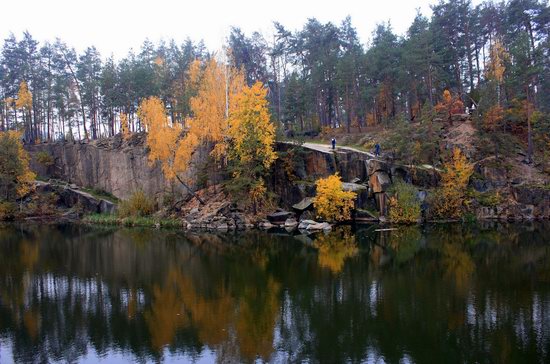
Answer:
[(377, 150), (333, 142)]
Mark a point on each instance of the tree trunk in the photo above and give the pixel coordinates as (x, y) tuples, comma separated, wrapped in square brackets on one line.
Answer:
[(201, 201)]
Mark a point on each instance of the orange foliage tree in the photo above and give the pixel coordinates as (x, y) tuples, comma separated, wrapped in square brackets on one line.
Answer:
[(227, 116), (162, 135), (449, 106)]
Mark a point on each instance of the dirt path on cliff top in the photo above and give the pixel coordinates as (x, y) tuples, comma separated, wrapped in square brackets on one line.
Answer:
[(327, 148)]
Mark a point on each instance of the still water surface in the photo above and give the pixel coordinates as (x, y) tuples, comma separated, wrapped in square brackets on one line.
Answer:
[(438, 294)]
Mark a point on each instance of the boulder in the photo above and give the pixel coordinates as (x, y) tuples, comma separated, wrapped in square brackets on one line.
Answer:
[(376, 165), (265, 225), (307, 215), (107, 207), (325, 226), (291, 223), (379, 182), (279, 218), (305, 204), (354, 187), (305, 223), (362, 192), (365, 216)]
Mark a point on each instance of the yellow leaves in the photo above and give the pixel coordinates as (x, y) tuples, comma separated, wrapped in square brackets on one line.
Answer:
[(457, 171), (448, 203), (258, 192), (447, 97), (218, 85), (124, 126), (404, 206), (333, 250), (251, 132), (162, 134), (331, 201), (450, 105), (497, 58), (24, 97), (15, 163), (215, 84), (26, 177), (371, 119), (194, 73), (247, 136)]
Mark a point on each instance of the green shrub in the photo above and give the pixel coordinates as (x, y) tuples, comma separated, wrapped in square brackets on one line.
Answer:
[(7, 210), (44, 158), (137, 205), (404, 206), (489, 199)]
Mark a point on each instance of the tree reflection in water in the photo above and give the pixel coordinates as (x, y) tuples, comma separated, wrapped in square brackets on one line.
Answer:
[(335, 247), (433, 294)]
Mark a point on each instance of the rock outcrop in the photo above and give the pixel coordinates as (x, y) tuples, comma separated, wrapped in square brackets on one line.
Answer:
[(70, 197), (117, 166)]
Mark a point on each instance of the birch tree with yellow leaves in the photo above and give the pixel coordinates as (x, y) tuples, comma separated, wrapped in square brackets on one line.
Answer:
[(16, 178), (24, 103), (250, 142), (171, 144)]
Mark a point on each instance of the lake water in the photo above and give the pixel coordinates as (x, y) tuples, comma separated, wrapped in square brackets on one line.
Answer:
[(437, 294)]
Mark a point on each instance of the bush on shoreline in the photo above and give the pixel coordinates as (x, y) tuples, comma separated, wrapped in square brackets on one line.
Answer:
[(404, 206), (138, 205)]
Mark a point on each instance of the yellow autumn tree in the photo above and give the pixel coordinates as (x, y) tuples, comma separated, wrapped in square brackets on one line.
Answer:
[(24, 102), (16, 178), (250, 142), (331, 202), (162, 135), (217, 86), (449, 201), (498, 57), (124, 126), (24, 98), (449, 106), (171, 144)]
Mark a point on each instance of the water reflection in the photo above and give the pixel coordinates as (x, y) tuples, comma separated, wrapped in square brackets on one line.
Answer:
[(334, 248), (434, 294)]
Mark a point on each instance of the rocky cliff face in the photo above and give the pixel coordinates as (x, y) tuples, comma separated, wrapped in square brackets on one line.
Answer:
[(122, 167), (112, 165)]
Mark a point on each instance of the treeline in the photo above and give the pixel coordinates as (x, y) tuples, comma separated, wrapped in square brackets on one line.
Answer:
[(319, 76)]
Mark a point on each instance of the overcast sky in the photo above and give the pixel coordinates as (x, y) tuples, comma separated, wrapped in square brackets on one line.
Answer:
[(115, 26)]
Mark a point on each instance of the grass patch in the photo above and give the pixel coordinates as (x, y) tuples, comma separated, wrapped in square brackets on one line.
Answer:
[(100, 194), (107, 219)]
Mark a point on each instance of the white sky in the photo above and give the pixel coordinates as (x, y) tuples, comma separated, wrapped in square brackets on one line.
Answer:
[(115, 26)]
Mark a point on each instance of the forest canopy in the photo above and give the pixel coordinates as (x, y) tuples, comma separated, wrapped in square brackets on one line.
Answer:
[(322, 75)]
